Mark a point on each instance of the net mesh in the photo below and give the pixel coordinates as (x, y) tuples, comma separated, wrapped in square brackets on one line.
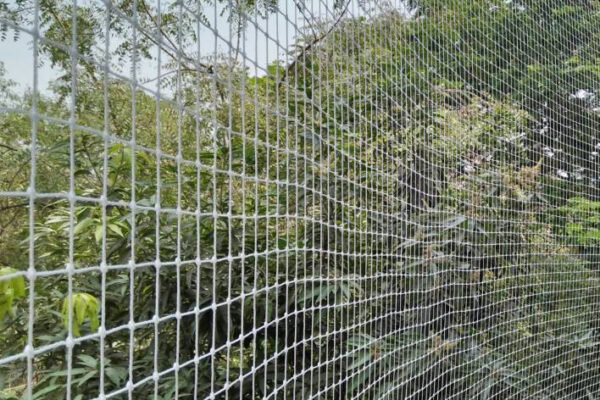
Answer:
[(332, 199)]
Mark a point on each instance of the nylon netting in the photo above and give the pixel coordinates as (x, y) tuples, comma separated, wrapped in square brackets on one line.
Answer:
[(327, 199)]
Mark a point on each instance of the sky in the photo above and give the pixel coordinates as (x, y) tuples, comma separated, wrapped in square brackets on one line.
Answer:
[(17, 56)]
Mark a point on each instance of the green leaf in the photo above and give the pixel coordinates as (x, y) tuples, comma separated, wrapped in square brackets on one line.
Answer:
[(116, 229), (46, 390), (88, 360), (86, 377), (83, 225), (98, 234), (80, 311), (10, 289), (358, 380), (84, 305), (116, 374), (94, 321), (361, 359)]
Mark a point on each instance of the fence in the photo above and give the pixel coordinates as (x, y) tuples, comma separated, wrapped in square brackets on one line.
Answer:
[(332, 199)]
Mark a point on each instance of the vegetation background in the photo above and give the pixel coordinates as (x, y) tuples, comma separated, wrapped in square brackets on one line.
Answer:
[(405, 208)]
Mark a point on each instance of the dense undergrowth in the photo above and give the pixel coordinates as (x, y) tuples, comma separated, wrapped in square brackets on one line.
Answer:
[(408, 210)]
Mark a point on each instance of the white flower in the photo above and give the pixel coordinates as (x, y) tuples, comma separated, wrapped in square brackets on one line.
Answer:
[(548, 152), (468, 167), (582, 94)]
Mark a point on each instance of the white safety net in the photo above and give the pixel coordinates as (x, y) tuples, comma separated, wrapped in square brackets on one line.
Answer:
[(299, 199)]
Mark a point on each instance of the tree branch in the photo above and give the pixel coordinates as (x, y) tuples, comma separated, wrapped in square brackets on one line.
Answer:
[(309, 46), (8, 147), (16, 205), (208, 68)]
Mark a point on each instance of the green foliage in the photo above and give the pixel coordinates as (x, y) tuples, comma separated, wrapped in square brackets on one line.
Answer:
[(581, 221), (77, 308), (385, 202), (10, 289)]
